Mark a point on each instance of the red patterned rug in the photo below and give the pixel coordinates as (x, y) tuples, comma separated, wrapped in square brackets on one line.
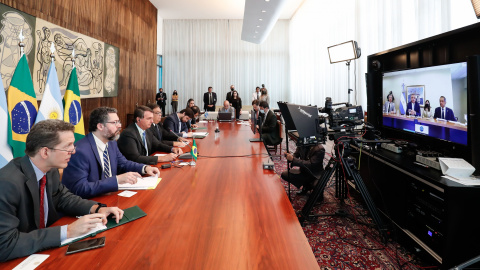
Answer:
[(339, 242)]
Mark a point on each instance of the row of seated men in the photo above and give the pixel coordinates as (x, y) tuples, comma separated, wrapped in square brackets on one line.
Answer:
[(32, 197)]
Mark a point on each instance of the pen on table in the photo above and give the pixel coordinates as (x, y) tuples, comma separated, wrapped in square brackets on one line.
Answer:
[(420, 164)]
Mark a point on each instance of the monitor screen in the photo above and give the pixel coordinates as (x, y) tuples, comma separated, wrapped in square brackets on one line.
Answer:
[(428, 101)]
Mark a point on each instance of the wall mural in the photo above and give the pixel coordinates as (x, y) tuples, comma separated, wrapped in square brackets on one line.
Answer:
[(96, 62)]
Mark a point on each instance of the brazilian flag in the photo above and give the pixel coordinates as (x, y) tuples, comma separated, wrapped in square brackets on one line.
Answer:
[(194, 150), (22, 107), (73, 109)]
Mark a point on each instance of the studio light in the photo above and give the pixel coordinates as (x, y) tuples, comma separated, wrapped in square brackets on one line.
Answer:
[(476, 7), (345, 51)]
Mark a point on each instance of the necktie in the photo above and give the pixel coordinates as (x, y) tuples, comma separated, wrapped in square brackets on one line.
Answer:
[(443, 113), (106, 163), (145, 143), (388, 107), (43, 181), (210, 99)]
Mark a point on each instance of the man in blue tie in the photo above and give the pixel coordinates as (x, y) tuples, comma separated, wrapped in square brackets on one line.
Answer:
[(444, 112), (98, 166)]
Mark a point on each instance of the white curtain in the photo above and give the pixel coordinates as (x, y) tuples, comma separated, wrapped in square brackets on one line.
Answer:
[(202, 53), (376, 25)]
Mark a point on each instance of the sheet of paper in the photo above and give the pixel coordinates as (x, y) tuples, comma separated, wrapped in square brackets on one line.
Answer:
[(468, 181), (200, 133), (203, 122), (184, 163), (127, 193), (98, 228), (149, 182), (31, 262), (160, 155)]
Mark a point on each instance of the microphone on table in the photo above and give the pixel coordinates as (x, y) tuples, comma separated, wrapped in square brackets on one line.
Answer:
[(184, 155)]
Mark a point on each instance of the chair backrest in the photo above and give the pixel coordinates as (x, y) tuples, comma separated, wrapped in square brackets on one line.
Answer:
[(280, 129), (163, 119)]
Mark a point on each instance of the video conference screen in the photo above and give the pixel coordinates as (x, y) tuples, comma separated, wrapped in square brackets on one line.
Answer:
[(430, 101)]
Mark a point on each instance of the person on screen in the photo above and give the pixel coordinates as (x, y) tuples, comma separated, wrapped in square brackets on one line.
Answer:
[(227, 108), (443, 112), (137, 142), (98, 166), (427, 111), (32, 197), (389, 106), (413, 108), (309, 159)]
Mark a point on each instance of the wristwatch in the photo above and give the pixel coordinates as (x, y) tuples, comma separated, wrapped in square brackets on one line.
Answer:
[(100, 205)]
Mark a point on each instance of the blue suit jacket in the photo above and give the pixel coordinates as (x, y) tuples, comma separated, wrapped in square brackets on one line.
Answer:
[(171, 123), (84, 174), (416, 109), (448, 114)]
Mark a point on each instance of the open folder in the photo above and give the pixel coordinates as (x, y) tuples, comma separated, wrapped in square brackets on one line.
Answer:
[(129, 214)]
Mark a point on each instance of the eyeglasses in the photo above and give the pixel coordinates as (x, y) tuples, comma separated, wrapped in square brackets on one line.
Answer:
[(63, 150), (158, 113), (118, 122)]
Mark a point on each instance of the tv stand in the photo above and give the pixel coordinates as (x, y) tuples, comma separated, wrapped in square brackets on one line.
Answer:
[(432, 214)]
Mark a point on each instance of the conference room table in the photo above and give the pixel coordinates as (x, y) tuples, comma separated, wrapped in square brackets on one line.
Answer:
[(223, 213)]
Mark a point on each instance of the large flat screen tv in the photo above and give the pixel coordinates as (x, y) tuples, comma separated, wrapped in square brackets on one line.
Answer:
[(429, 101)]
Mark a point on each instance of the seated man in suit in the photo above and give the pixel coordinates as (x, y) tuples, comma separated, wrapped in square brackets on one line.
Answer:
[(192, 122), (413, 108), (227, 108), (256, 109), (163, 135), (269, 126), (177, 122), (443, 112), (209, 99), (98, 167), (32, 196), (309, 159), (137, 141)]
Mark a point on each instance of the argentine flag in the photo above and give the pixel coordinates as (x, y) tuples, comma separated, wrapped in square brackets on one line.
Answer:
[(51, 106), (5, 149), (403, 102)]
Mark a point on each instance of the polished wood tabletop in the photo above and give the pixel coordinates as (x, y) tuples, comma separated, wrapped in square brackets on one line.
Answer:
[(223, 213)]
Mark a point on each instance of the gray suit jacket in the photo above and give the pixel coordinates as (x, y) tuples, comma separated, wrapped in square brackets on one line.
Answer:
[(20, 209)]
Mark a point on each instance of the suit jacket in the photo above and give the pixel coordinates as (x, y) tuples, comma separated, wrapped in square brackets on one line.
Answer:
[(416, 108), (20, 209), (206, 100), (230, 110), (163, 135), (311, 161), (270, 129), (132, 147), (160, 95), (229, 96), (448, 114), (84, 174), (171, 123)]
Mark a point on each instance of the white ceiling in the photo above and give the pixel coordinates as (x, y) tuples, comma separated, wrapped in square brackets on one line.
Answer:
[(213, 9)]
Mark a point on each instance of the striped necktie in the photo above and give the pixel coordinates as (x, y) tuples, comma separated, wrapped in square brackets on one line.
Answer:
[(106, 163), (43, 181)]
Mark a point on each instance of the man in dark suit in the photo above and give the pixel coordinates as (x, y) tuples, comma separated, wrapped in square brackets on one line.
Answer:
[(162, 134), (413, 108), (230, 94), (161, 99), (443, 112), (177, 122), (32, 196), (269, 126), (309, 159), (209, 99), (99, 167), (137, 141)]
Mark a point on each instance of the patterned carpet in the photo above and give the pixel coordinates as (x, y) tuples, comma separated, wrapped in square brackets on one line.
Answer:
[(346, 243)]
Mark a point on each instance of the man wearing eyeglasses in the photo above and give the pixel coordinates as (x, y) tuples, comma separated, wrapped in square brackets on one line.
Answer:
[(98, 166), (160, 132), (32, 196), (137, 142)]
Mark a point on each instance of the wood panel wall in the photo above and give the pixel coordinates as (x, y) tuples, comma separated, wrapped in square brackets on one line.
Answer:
[(131, 25)]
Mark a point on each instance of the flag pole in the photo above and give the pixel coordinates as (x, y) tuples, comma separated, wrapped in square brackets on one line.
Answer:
[(21, 44), (52, 54)]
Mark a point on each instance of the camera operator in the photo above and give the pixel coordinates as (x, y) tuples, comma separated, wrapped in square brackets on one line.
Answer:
[(309, 159)]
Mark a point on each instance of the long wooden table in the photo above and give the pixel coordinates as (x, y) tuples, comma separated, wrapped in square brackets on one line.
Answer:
[(224, 213)]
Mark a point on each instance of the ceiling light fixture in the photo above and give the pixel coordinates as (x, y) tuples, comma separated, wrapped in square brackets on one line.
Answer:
[(260, 19), (258, 25), (263, 11)]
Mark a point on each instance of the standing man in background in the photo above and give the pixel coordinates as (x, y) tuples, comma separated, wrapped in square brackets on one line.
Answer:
[(256, 94), (209, 99), (161, 100)]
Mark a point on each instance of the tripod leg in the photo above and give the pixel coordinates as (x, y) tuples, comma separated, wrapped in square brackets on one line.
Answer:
[(318, 190)]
